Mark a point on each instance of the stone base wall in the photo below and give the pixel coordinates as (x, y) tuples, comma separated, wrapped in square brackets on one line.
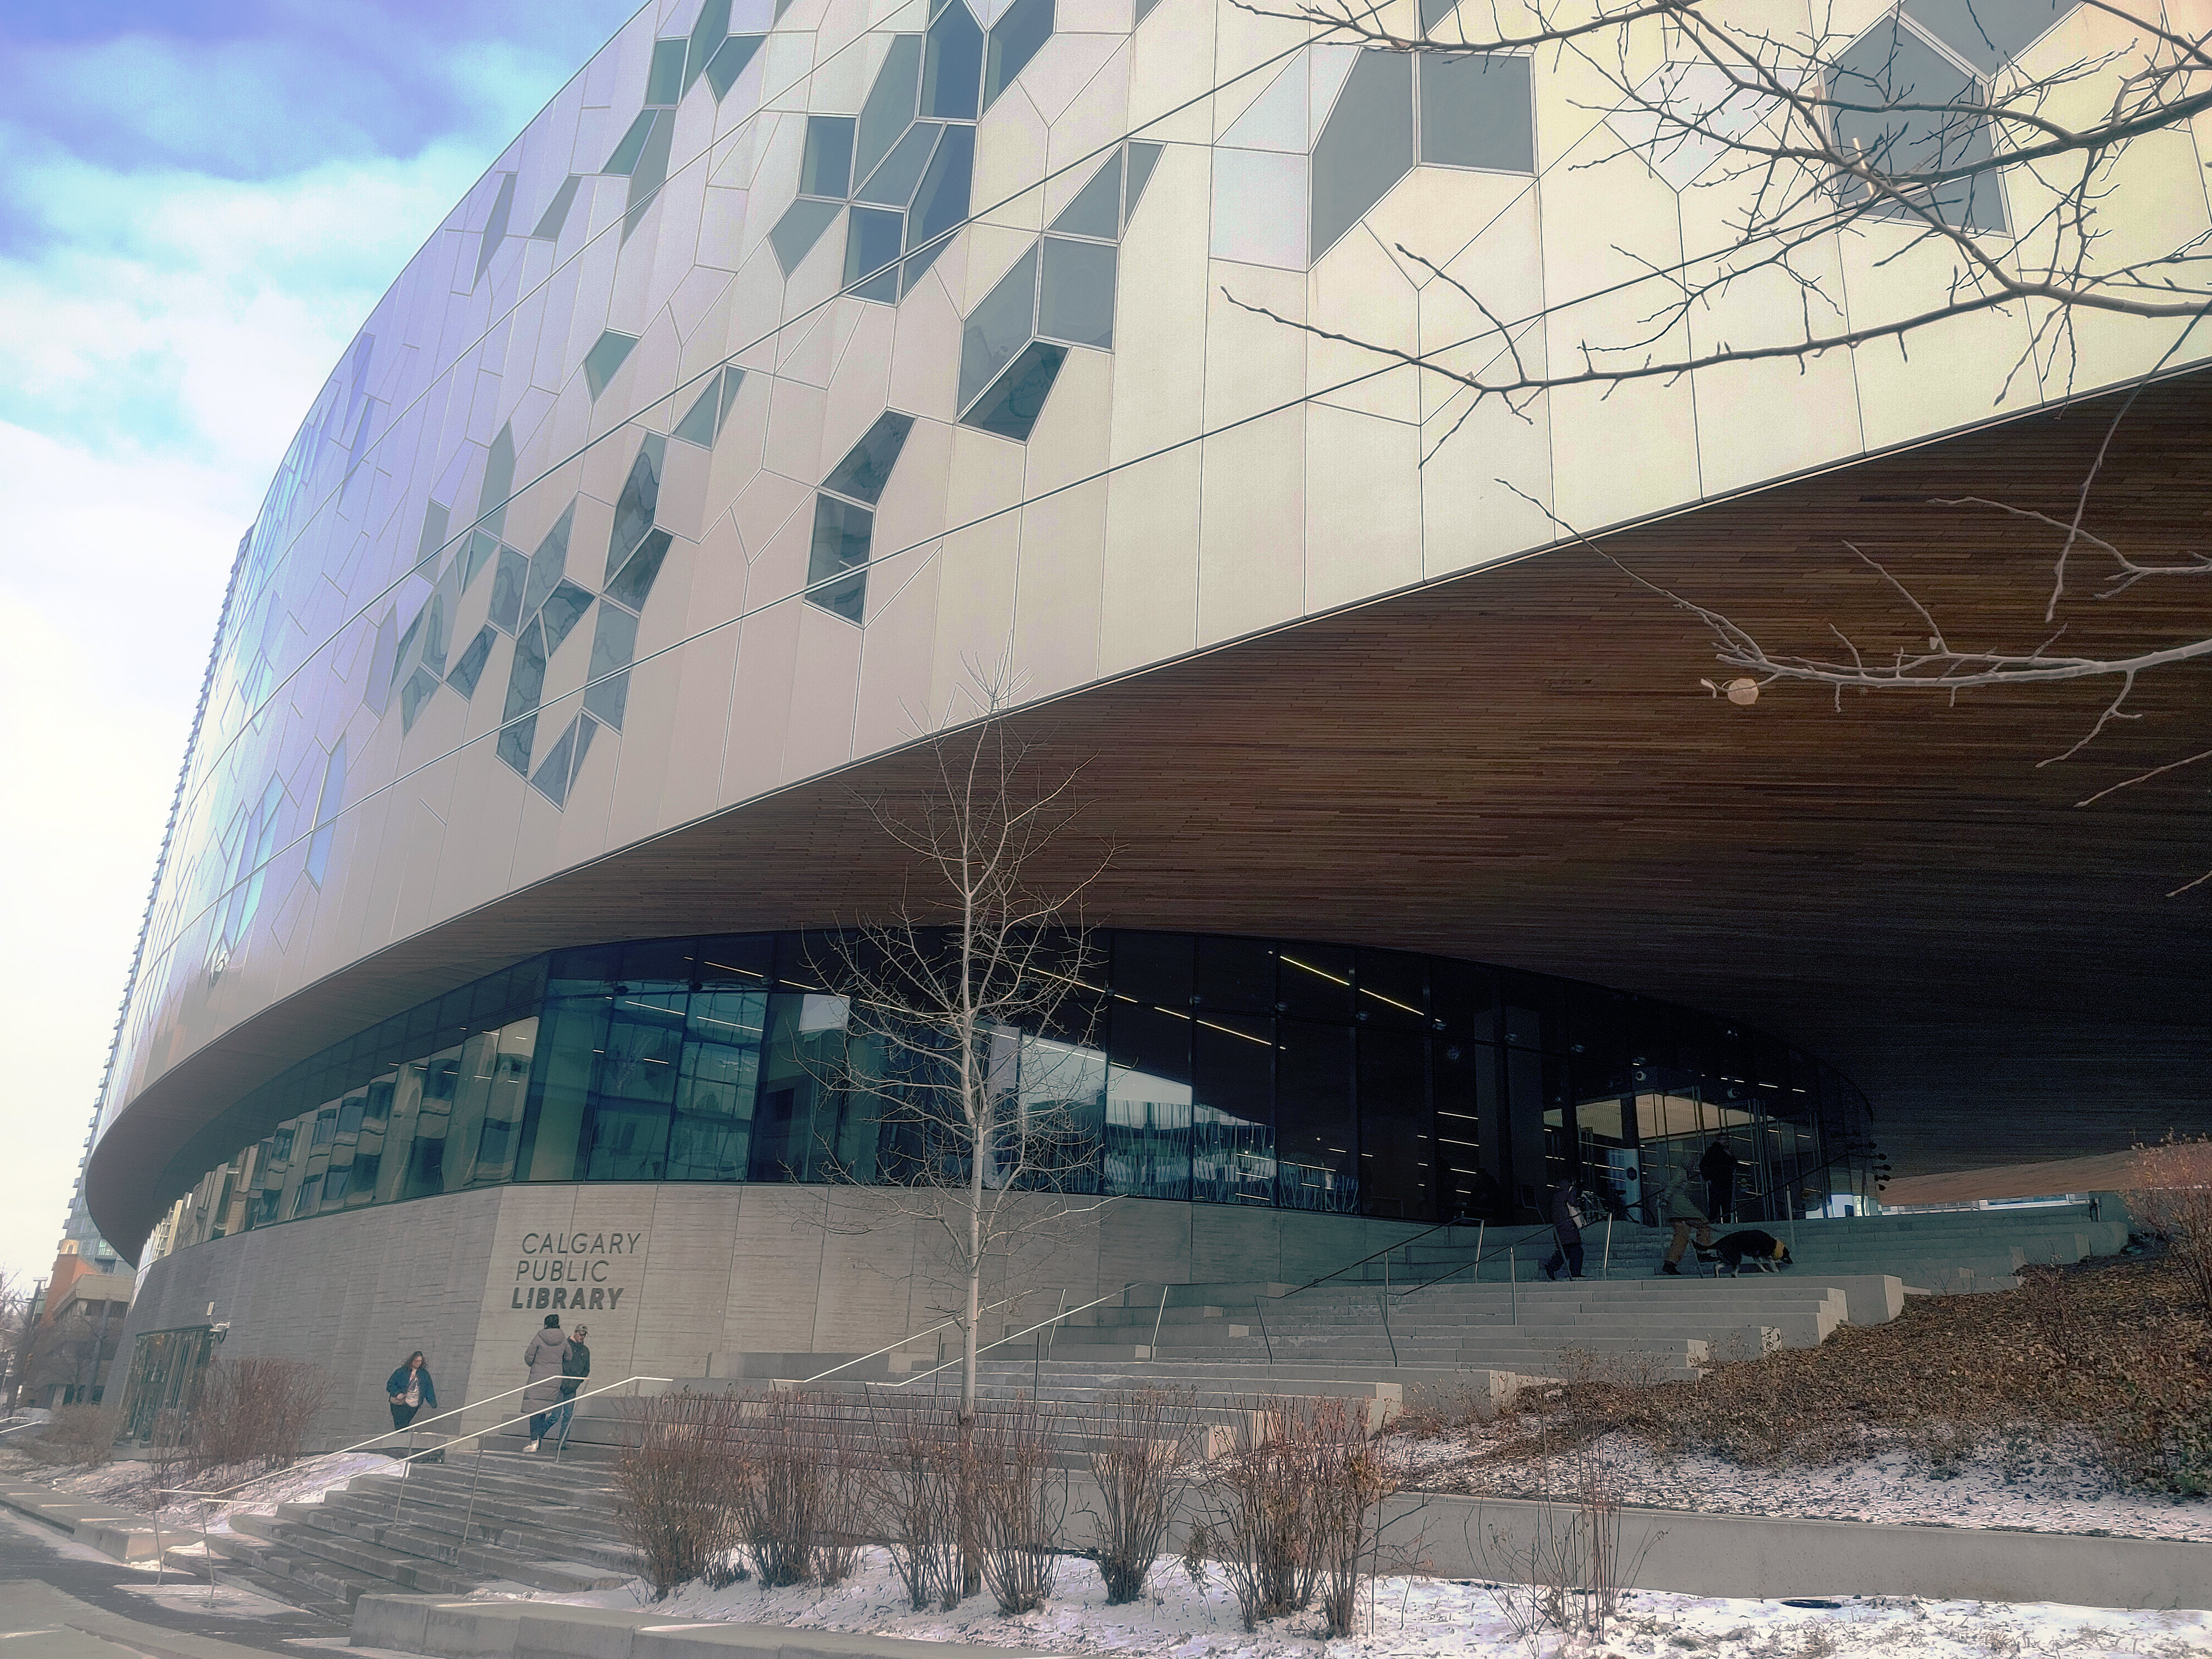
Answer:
[(667, 1276)]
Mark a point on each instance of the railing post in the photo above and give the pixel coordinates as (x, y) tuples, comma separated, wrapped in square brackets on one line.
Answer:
[(1513, 1277), (1153, 1354), (1386, 1311), (1260, 1307), (1037, 1350), (471, 1516), (1607, 1272)]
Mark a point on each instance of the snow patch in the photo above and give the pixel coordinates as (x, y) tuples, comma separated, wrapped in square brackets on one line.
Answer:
[(1417, 1618)]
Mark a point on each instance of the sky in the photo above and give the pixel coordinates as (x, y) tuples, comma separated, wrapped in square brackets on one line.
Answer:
[(200, 200)]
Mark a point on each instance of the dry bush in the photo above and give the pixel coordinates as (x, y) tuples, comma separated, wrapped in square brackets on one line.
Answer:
[(2116, 1348), (1019, 1500), (80, 1435), (1291, 1510), (1142, 1462), (2172, 1201), (674, 1483), (919, 1476), (254, 1414), (799, 1493), (1570, 1570), (1431, 1412), (1350, 1474)]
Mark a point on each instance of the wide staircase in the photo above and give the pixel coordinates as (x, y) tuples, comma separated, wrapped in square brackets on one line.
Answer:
[(443, 1529), (1462, 1312)]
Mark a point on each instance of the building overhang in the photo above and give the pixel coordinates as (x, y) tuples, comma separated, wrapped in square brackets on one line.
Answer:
[(1520, 765)]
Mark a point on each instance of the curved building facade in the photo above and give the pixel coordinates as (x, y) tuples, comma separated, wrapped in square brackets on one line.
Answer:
[(813, 376)]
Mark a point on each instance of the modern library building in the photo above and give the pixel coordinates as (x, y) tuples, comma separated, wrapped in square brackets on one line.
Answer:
[(815, 378)]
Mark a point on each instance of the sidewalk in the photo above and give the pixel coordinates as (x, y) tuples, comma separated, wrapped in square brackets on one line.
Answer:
[(38, 1621)]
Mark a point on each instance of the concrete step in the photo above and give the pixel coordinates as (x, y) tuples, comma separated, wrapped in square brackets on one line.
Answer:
[(388, 1501), (290, 1591), (494, 1561), (313, 1576), (356, 1555)]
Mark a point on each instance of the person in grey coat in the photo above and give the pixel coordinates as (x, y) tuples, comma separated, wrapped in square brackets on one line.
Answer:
[(543, 1356)]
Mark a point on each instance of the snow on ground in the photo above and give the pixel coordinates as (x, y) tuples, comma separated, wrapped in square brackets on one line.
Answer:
[(130, 1485), (2040, 1487), (1418, 1617)]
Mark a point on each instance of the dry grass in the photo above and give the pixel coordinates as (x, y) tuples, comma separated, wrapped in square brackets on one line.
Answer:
[(2117, 1348), (2174, 1204)]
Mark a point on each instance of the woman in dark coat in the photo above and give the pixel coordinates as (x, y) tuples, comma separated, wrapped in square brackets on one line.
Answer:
[(1567, 1228), (410, 1390)]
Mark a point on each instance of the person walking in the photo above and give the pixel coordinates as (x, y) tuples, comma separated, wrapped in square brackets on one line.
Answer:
[(1718, 1166), (1678, 1207), (576, 1366), (544, 1357), (1567, 1228), (410, 1389)]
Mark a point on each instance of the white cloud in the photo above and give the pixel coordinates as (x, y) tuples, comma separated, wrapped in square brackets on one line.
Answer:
[(162, 345)]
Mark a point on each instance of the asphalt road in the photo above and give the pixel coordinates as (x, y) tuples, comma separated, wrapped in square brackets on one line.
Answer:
[(61, 1601)]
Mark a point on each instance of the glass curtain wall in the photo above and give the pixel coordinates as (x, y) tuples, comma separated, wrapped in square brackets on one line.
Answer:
[(1205, 1069)]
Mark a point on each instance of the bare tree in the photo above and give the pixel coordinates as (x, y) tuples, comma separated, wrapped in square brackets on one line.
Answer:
[(1979, 158), (16, 1327), (1922, 134), (968, 1019)]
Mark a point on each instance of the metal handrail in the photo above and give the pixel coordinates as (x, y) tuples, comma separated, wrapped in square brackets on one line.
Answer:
[(509, 1423), (362, 1446), (1397, 1245), (1508, 1248), (408, 1461), (890, 1346), (1016, 1336), (468, 1518)]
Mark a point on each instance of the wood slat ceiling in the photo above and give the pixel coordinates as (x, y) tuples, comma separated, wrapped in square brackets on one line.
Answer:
[(1520, 766)]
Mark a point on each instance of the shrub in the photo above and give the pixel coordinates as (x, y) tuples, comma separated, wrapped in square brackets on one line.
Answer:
[(1291, 1509), (255, 1414), (799, 1492), (82, 1435), (1018, 1501), (1567, 1569), (1141, 1462), (919, 1476), (674, 1483)]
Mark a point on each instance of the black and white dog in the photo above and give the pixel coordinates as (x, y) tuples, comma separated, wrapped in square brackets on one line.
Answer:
[(1760, 1251)]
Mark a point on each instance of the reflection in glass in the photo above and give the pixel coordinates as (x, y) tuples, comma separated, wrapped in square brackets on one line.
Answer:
[(1215, 1070), (1232, 1152)]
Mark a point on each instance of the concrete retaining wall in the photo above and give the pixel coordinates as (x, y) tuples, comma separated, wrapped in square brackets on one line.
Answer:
[(1745, 1555)]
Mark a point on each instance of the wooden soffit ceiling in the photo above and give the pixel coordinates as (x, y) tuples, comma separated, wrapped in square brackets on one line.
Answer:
[(1521, 766)]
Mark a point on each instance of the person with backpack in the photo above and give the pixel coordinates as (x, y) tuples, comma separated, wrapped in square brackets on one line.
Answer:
[(576, 1366), (1567, 1227)]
